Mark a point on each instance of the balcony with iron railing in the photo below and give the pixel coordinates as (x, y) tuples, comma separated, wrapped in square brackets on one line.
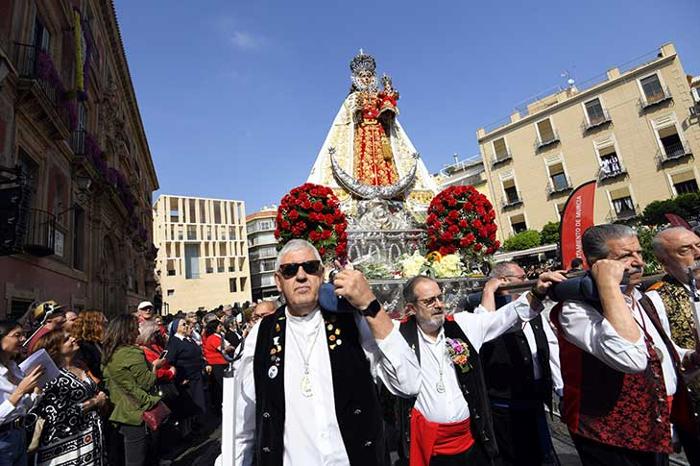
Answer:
[(623, 215), (501, 158), (648, 101), (511, 201), (562, 186), (40, 237), (610, 172), (672, 152), (542, 143), (596, 121), (39, 76)]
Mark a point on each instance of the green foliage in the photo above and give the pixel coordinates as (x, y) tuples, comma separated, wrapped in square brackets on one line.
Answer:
[(524, 240), (685, 205), (645, 235), (550, 233)]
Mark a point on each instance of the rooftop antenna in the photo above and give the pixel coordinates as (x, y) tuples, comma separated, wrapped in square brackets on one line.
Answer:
[(570, 79), (456, 157)]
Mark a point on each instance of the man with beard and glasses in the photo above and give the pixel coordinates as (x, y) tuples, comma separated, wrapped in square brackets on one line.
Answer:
[(450, 419), (307, 375)]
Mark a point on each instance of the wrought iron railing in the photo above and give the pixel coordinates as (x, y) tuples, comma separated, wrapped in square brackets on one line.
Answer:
[(40, 238), (673, 151), (557, 188), (663, 95), (541, 143), (501, 158), (623, 215), (605, 173), (596, 120), (512, 201)]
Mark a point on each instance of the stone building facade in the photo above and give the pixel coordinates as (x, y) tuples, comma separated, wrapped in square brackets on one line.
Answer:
[(635, 130), (77, 174), (202, 255)]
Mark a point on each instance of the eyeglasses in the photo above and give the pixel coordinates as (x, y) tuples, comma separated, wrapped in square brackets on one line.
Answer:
[(519, 277), (431, 302), (290, 270)]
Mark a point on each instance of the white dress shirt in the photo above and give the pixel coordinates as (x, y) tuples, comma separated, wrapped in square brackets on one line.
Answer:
[(8, 411), (552, 342), (479, 328), (588, 329), (311, 432)]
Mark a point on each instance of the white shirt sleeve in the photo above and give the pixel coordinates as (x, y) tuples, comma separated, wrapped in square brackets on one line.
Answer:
[(485, 326), (244, 382), (391, 359), (553, 342), (586, 328)]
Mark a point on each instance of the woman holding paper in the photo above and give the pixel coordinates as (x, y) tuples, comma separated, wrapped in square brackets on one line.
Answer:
[(17, 395), (72, 425)]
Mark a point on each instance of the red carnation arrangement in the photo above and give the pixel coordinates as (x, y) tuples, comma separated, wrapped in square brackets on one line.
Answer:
[(312, 212), (462, 219)]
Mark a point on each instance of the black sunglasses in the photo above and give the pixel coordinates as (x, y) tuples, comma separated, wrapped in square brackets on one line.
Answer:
[(290, 270)]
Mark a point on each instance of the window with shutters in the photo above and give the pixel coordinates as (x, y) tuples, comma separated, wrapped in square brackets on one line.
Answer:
[(558, 180), (672, 145), (608, 159), (622, 203), (500, 151), (653, 91), (684, 183), (518, 224), (546, 134), (596, 114)]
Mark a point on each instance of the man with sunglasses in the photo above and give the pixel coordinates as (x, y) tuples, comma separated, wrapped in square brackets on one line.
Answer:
[(521, 368), (307, 375), (450, 419)]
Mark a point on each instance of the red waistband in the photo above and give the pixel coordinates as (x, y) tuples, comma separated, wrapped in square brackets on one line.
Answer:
[(431, 438)]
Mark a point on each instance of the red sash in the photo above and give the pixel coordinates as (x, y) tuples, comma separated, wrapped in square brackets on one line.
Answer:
[(431, 438)]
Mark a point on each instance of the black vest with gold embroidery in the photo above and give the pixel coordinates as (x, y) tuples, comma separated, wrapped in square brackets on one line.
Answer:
[(356, 403)]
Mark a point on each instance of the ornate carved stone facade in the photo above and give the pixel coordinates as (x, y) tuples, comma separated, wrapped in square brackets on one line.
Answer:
[(69, 120)]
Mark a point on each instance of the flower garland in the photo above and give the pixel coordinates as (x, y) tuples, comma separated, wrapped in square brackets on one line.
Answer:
[(312, 212), (462, 219)]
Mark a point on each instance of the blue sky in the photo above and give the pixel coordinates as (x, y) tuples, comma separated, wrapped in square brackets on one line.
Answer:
[(237, 97)]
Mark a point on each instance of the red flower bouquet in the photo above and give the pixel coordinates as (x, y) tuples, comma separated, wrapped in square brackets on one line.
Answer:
[(312, 212), (462, 219)]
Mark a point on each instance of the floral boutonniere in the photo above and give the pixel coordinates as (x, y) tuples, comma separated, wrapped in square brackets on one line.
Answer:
[(459, 353)]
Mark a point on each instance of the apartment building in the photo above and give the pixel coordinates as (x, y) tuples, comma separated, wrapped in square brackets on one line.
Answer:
[(202, 257), (635, 130), (469, 171), (262, 252), (76, 174)]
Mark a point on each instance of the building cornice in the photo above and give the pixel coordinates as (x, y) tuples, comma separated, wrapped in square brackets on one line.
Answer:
[(577, 98)]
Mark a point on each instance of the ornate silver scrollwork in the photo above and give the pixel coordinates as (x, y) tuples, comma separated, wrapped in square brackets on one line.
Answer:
[(367, 191)]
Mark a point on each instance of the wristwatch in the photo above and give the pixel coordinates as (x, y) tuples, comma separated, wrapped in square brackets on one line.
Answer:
[(371, 310)]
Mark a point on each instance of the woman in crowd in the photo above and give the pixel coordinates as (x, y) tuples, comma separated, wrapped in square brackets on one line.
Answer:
[(17, 395), (89, 330), (72, 432), (130, 383), (152, 342), (186, 356), (215, 351)]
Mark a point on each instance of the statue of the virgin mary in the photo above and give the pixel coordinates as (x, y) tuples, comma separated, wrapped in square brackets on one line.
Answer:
[(366, 153)]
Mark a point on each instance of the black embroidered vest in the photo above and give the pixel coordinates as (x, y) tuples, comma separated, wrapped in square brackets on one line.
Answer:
[(471, 383), (356, 403), (508, 366)]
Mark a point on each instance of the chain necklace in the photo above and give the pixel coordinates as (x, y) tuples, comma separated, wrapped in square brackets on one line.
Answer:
[(440, 384), (306, 389)]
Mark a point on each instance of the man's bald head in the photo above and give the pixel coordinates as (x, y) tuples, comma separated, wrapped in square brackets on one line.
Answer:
[(677, 248)]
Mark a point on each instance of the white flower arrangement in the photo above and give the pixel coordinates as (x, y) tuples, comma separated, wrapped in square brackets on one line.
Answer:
[(434, 265), (413, 265), (448, 266)]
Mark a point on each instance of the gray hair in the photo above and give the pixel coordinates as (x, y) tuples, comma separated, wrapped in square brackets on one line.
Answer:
[(146, 330), (502, 268), (296, 245), (659, 243), (409, 288), (594, 240)]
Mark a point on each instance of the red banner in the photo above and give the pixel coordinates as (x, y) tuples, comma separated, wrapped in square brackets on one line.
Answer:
[(677, 221), (576, 217)]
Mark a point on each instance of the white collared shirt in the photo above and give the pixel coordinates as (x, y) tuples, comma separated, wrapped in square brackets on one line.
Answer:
[(311, 432), (479, 328), (588, 329), (8, 411)]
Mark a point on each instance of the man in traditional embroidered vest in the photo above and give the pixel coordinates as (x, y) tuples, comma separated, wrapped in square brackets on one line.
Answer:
[(677, 249), (519, 368), (620, 368), (450, 419), (307, 376)]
